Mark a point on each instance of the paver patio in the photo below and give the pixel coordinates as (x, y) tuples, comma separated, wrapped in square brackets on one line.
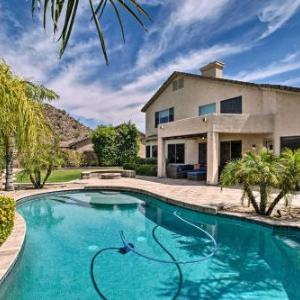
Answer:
[(189, 193)]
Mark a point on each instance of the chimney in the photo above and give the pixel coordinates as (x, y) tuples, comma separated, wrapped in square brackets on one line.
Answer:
[(213, 69)]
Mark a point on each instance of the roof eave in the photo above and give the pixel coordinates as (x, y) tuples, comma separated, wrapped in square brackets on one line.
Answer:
[(159, 91)]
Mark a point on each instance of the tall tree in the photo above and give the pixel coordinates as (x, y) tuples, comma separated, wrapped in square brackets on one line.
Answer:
[(21, 116), (103, 138), (39, 163), (127, 143), (64, 12)]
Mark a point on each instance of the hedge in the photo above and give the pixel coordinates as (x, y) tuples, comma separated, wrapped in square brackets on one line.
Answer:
[(142, 169), (7, 217), (146, 161)]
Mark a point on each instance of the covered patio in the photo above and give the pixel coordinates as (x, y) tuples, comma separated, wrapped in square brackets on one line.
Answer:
[(213, 140)]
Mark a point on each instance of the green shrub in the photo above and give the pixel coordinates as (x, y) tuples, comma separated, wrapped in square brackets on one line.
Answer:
[(7, 217), (89, 159), (71, 158), (115, 146), (146, 161), (145, 170)]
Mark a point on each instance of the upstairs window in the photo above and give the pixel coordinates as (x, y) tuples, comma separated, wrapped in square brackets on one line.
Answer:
[(175, 85), (207, 109), (232, 106), (178, 84), (164, 116)]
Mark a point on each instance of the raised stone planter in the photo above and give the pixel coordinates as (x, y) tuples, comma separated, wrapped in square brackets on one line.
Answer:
[(110, 176), (99, 173), (129, 173)]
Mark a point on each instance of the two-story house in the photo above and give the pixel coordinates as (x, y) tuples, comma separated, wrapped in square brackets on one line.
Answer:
[(209, 120)]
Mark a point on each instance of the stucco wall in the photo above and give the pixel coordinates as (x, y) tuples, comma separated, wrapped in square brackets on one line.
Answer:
[(198, 92), (287, 117), (192, 144)]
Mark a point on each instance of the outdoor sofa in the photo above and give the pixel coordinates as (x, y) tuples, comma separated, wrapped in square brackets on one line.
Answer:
[(193, 172)]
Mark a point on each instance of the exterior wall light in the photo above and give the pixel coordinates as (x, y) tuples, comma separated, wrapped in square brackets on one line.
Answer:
[(204, 119)]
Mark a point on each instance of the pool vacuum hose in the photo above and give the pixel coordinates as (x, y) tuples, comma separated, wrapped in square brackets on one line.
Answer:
[(127, 247)]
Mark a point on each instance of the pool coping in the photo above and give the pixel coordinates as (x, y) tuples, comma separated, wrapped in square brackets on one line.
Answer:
[(209, 209), (12, 247), (15, 241)]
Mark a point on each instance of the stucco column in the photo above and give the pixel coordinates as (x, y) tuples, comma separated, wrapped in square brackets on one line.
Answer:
[(276, 144), (212, 158), (161, 158)]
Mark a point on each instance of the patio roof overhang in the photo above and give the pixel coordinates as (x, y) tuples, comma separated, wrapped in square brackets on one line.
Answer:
[(221, 123)]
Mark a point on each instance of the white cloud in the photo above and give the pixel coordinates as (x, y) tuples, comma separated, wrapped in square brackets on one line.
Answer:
[(186, 13), (291, 82), (153, 2), (111, 105), (287, 64), (276, 14), (34, 54), (186, 62)]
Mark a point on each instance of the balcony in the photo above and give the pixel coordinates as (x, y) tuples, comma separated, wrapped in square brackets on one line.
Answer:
[(222, 123)]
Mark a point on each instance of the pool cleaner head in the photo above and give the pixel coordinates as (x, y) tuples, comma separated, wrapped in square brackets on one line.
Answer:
[(126, 248)]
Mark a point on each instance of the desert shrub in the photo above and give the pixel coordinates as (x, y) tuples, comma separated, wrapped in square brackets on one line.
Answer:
[(142, 169), (146, 161), (7, 217), (71, 158), (89, 159)]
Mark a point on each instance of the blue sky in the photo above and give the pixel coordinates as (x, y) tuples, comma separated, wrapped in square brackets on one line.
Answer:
[(258, 40)]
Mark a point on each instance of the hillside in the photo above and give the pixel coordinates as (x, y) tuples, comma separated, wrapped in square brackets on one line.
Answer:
[(65, 126)]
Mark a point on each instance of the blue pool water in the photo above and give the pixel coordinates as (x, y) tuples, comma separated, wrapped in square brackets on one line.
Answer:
[(65, 230)]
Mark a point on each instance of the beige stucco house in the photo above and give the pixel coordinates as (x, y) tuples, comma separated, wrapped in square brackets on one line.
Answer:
[(207, 119)]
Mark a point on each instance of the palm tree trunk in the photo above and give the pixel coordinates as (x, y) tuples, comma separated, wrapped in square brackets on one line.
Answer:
[(252, 198), (9, 157), (49, 171), (275, 202), (32, 179), (263, 198)]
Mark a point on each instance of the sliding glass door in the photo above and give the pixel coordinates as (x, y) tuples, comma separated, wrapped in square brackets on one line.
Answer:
[(230, 150), (176, 153)]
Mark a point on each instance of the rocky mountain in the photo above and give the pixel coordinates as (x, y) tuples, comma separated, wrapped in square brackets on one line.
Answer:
[(65, 126)]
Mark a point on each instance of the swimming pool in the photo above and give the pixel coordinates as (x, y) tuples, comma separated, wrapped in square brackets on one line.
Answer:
[(66, 229)]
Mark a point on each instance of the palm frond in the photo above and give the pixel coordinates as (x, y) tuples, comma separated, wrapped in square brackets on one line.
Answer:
[(40, 93), (66, 11)]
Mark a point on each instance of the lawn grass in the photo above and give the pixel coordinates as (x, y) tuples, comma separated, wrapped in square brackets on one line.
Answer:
[(60, 175)]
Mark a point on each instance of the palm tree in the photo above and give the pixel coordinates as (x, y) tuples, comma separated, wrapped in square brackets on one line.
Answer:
[(39, 164), (64, 12), (267, 172), (21, 116), (289, 171)]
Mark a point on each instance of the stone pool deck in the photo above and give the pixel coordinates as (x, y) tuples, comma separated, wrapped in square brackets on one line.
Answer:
[(12, 247), (183, 193)]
